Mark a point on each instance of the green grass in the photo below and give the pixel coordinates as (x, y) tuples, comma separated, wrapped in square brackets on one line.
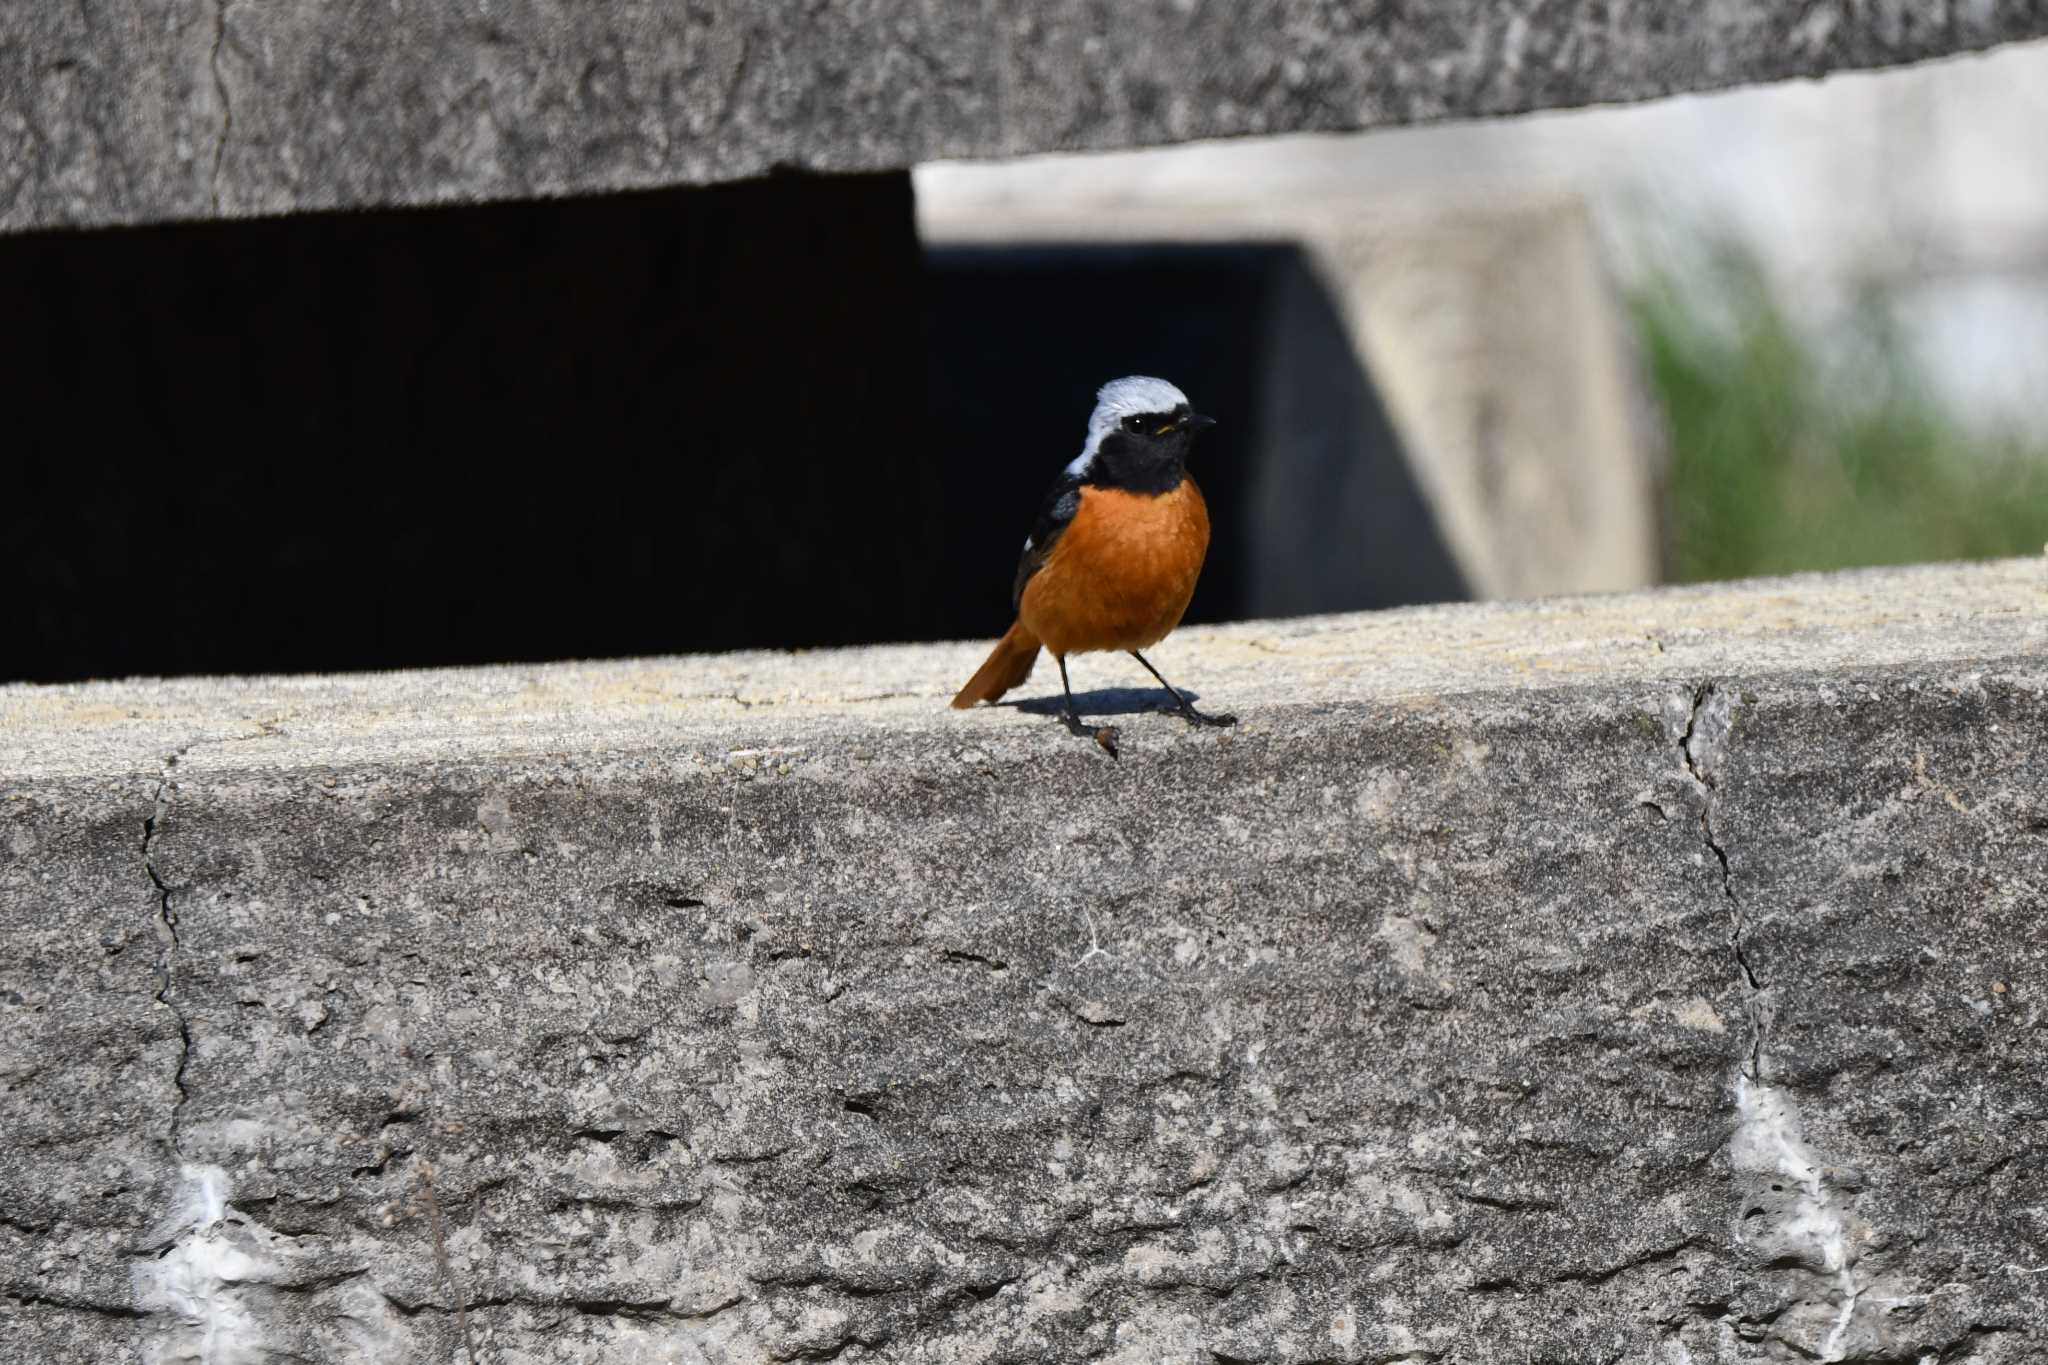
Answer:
[(1793, 451)]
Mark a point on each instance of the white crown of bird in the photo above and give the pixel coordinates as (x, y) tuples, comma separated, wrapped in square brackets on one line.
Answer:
[(1132, 396)]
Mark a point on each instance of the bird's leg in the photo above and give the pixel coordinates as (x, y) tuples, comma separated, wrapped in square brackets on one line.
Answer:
[(1187, 708), (1105, 735)]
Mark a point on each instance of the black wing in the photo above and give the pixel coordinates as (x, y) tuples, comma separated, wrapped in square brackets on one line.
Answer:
[(1060, 505)]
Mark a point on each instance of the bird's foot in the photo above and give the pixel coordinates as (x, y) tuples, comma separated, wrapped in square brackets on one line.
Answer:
[(1104, 735), (1198, 718)]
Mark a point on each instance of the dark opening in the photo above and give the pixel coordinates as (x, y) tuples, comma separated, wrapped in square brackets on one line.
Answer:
[(1313, 505), (750, 415), (637, 424)]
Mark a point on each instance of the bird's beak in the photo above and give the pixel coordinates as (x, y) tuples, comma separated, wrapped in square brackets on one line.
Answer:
[(1194, 423)]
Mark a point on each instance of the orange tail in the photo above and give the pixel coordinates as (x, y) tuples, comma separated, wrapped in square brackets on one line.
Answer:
[(1008, 664)]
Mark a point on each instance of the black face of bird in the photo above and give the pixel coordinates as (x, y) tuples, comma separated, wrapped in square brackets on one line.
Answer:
[(1148, 451)]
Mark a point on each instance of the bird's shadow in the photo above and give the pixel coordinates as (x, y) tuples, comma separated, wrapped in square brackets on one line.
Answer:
[(1104, 701)]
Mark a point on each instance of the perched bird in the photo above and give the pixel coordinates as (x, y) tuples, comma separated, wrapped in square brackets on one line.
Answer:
[(1114, 556)]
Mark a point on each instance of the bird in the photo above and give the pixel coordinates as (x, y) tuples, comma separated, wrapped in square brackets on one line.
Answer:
[(1112, 560)]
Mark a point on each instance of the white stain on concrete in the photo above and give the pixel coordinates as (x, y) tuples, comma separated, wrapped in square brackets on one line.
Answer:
[(1408, 938), (1812, 1224), (194, 1281), (1378, 796), (1695, 1012)]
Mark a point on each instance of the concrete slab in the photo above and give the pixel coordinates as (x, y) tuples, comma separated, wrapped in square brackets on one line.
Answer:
[(1640, 978), (179, 110), (832, 701)]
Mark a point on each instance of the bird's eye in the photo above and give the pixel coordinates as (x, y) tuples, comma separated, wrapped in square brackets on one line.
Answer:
[(1135, 425)]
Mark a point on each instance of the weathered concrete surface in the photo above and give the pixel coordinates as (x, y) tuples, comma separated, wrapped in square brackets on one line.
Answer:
[(1644, 978), (175, 108)]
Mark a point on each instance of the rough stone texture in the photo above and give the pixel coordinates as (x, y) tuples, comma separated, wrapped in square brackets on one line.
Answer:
[(1640, 978), (175, 108)]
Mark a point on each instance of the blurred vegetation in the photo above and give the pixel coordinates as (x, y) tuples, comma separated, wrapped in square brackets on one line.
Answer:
[(1800, 449)]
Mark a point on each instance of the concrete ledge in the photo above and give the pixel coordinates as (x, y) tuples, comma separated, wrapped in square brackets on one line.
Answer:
[(175, 110), (1641, 978)]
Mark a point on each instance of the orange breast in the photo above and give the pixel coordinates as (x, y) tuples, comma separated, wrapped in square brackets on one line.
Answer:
[(1122, 572)]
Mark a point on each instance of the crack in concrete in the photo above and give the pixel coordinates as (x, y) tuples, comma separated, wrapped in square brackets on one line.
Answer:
[(73, 1305), (1767, 1136), (1699, 750), (168, 944), (438, 1226), (220, 91), (648, 1310)]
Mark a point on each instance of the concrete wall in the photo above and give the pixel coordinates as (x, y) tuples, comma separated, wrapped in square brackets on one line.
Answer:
[(1927, 181), (177, 109), (1637, 978)]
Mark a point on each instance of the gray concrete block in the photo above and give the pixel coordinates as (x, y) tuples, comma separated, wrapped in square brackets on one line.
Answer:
[(174, 109), (1632, 978)]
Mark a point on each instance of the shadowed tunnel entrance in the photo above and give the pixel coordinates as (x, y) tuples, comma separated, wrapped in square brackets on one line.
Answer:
[(1313, 505), (754, 415)]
